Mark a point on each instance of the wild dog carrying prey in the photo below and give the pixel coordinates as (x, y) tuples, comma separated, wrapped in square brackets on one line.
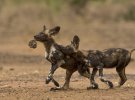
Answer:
[(58, 55), (72, 59)]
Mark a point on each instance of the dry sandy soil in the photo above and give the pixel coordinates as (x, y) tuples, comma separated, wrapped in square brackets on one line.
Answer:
[(23, 72)]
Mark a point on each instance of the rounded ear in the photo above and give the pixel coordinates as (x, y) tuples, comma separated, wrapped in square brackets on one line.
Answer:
[(54, 31), (44, 28), (75, 42), (76, 39)]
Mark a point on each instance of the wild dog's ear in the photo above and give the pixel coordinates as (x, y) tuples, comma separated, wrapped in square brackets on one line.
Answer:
[(44, 28), (54, 31), (75, 42), (76, 39)]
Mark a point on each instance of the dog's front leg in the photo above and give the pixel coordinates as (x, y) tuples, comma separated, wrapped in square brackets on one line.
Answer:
[(92, 80), (50, 75), (101, 76), (84, 71)]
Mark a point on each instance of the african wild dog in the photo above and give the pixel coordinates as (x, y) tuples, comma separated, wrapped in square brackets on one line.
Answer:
[(75, 59), (108, 58), (59, 56)]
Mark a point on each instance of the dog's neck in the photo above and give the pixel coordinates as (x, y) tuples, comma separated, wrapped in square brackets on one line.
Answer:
[(48, 44)]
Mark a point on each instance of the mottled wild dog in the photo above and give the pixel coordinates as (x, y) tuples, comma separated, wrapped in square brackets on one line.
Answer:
[(72, 59), (58, 55), (109, 58)]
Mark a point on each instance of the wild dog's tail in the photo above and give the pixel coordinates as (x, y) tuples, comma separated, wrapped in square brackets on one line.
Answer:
[(132, 51)]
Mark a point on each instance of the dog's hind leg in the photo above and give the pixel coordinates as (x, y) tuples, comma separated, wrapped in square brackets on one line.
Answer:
[(121, 69), (101, 76), (122, 75), (87, 73), (92, 81), (67, 81)]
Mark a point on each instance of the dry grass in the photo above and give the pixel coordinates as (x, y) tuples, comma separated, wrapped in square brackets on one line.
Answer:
[(103, 23)]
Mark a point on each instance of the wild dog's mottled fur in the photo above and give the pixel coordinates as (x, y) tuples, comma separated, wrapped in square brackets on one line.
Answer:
[(58, 55), (74, 59), (109, 58)]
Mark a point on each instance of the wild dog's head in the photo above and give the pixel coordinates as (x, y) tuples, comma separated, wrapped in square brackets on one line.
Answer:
[(46, 34)]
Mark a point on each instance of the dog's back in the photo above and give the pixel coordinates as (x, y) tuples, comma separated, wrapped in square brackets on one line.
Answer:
[(109, 58), (115, 57)]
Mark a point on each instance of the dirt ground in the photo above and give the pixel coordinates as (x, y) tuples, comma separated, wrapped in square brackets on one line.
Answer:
[(23, 72)]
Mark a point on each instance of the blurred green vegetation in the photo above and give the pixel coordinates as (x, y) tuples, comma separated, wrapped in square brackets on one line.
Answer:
[(130, 14), (79, 5), (55, 5)]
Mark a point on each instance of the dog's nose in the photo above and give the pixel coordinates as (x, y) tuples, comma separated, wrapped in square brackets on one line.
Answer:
[(34, 36)]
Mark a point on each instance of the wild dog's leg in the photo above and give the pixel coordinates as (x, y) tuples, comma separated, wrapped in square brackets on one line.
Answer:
[(50, 75), (84, 71), (67, 80), (121, 73), (101, 76), (125, 59), (92, 81), (52, 70), (87, 73)]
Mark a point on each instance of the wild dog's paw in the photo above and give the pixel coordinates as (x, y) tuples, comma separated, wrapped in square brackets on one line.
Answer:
[(110, 84), (59, 88), (47, 81), (56, 88), (94, 86)]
